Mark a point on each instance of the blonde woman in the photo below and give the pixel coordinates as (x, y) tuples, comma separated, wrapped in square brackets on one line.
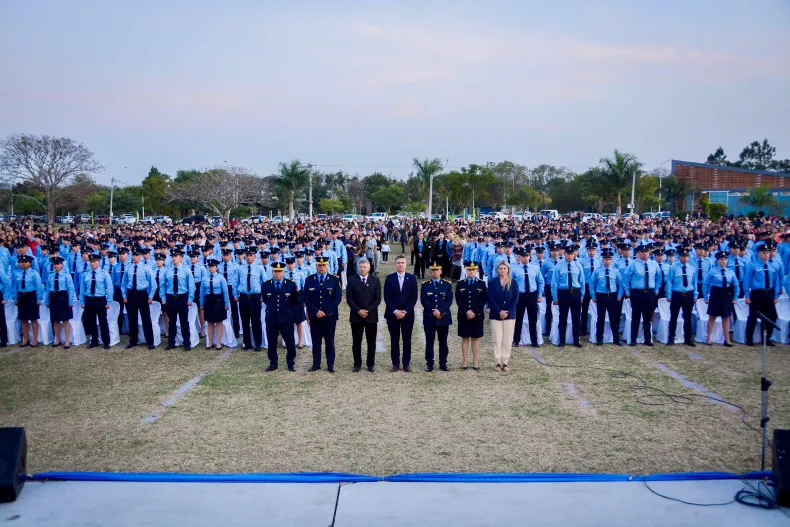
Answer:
[(502, 299)]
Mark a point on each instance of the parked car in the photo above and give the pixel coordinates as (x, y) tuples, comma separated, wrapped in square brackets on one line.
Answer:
[(197, 218), (376, 216), (526, 215), (252, 220), (552, 214), (148, 221), (590, 216), (404, 216), (349, 217), (117, 220), (66, 219), (630, 215), (281, 219), (101, 219), (84, 218), (500, 215), (129, 219), (337, 217)]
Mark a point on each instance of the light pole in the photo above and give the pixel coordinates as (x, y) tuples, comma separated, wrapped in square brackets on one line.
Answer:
[(660, 180), (112, 188)]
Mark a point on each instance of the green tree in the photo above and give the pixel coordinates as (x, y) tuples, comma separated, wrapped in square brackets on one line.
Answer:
[(389, 196), (525, 198), (426, 169), (155, 187), (761, 198), (646, 194), (414, 207), (331, 205), (757, 156), (292, 180), (718, 158), (676, 191), (618, 172)]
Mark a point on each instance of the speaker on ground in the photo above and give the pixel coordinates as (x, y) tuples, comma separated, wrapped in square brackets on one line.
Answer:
[(13, 463)]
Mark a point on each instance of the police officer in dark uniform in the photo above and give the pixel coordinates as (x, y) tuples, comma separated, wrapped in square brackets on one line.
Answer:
[(471, 295), (436, 297), (322, 294), (282, 298)]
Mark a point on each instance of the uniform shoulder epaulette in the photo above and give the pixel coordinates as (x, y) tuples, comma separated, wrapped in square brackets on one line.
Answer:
[(426, 282), (448, 281), (267, 281), (289, 279)]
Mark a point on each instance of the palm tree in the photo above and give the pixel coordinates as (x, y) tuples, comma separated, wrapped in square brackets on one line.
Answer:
[(617, 173), (677, 190), (426, 169), (761, 198), (292, 179)]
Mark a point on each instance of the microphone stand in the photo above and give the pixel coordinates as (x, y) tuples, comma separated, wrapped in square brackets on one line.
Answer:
[(766, 327)]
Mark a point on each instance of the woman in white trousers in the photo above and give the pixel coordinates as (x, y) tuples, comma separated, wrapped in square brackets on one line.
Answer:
[(502, 299)]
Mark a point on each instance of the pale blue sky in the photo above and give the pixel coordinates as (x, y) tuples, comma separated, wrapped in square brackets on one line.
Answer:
[(188, 84)]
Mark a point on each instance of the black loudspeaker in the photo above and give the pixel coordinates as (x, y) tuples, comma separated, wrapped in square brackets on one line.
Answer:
[(781, 466), (13, 463)]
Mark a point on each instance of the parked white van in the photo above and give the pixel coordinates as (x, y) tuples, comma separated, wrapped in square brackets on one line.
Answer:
[(552, 214)]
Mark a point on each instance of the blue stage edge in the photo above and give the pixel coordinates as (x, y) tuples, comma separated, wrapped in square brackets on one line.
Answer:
[(340, 477)]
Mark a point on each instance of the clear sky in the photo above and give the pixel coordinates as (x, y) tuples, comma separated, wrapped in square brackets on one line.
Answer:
[(189, 84)]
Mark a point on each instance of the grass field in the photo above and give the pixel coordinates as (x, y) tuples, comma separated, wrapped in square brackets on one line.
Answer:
[(84, 410)]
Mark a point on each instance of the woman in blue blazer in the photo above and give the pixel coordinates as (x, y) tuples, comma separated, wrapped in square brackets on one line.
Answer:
[(502, 299)]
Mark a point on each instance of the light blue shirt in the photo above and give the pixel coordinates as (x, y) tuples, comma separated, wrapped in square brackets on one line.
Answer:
[(674, 281), (214, 284), (145, 279), (118, 271), (65, 283), (601, 285), (297, 277), (534, 278), (567, 275), (256, 278), (755, 277), (186, 282), (103, 288), (642, 275), (714, 279), (32, 284)]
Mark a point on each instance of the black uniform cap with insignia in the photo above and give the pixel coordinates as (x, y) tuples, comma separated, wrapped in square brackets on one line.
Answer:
[(194, 254), (683, 251), (607, 253), (322, 259), (25, 258), (86, 251), (721, 254), (212, 262), (470, 265), (57, 260), (160, 256), (177, 252), (290, 260), (642, 248), (94, 257), (278, 266), (669, 252), (227, 251), (250, 250), (435, 265)]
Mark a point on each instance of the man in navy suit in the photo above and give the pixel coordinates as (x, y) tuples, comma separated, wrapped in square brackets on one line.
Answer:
[(400, 297)]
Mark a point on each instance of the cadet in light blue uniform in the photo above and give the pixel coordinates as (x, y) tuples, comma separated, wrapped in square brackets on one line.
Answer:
[(547, 270), (248, 288), (762, 284), (215, 303), (737, 263), (198, 272), (28, 293), (96, 292), (177, 289), (721, 288), (138, 289), (534, 287), (589, 263), (641, 282), (606, 290), (60, 298), (681, 290), (567, 285)]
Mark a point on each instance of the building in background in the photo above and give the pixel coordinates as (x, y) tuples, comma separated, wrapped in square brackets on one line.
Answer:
[(728, 185)]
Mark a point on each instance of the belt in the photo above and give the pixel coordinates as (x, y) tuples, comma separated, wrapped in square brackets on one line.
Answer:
[(763, 290), (597, 293), (683, 293), (94, 296), (177, 296), (249, 295)]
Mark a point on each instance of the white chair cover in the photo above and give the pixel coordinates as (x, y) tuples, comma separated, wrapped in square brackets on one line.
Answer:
[(112, 322), (194, 336), (702, 327), (554, 336), (228, 338), (783, 320), (264, 339), (78, 337), (608, 337), (156, 312), (626, 316), (525, 338), (11, 322), (662, 327), (45, 333), (739, 327)]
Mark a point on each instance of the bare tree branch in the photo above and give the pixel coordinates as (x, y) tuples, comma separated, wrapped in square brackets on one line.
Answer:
[(220, 189)]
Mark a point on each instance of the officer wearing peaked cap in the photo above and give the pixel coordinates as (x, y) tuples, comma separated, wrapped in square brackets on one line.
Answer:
[(471, 295), (322, 296), (436, 297), (281, 298)]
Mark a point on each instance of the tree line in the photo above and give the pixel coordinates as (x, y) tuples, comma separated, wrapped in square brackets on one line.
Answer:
[(54, 176)]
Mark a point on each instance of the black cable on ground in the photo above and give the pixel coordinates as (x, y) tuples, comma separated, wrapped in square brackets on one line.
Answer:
[(687, 502)]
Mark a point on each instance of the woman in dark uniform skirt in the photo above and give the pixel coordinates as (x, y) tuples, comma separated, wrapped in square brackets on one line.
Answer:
[(471, 296), (59, 299), (720, 289), (214, 303), (28, 292)]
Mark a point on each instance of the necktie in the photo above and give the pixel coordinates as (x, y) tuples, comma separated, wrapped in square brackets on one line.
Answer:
[(278, 286), (175, 280), (134, 278), (24, 272), (211, 284), (435, 284), (122, 268), (57, 281), (193, 269), (74, 266), (93, 284), (765, 274), (570, 278), (469, 282), (320, 280), (364, 281), (157, 278), (626, 262), (249, 279), (662, 273), (699, 276), (526, 278), (226, 271), (685, 277), (647, 276), (508, 259), (400, 282), (737, 270), (723, 278)]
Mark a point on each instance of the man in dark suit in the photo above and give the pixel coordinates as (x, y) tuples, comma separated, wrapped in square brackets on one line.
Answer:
[(322, 295), (363, 294), (400, 297)]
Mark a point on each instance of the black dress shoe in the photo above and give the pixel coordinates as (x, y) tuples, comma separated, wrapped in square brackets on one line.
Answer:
[(271, 367), (356, 369), (618, 344), (330, 369), (770, 344), (649, 344), (129, 346), (578, 344), (312, 368), (632, 344), (427, 368), (90, 346), (106, 346), (444, 368), (291, 368), (691, 343), (257, 349), (670, 342), (151, 347), (395, 368), (371, 369), (169, 347), (245, 348), (727, 345), (749, 343), (561, 345), (407, 369)]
